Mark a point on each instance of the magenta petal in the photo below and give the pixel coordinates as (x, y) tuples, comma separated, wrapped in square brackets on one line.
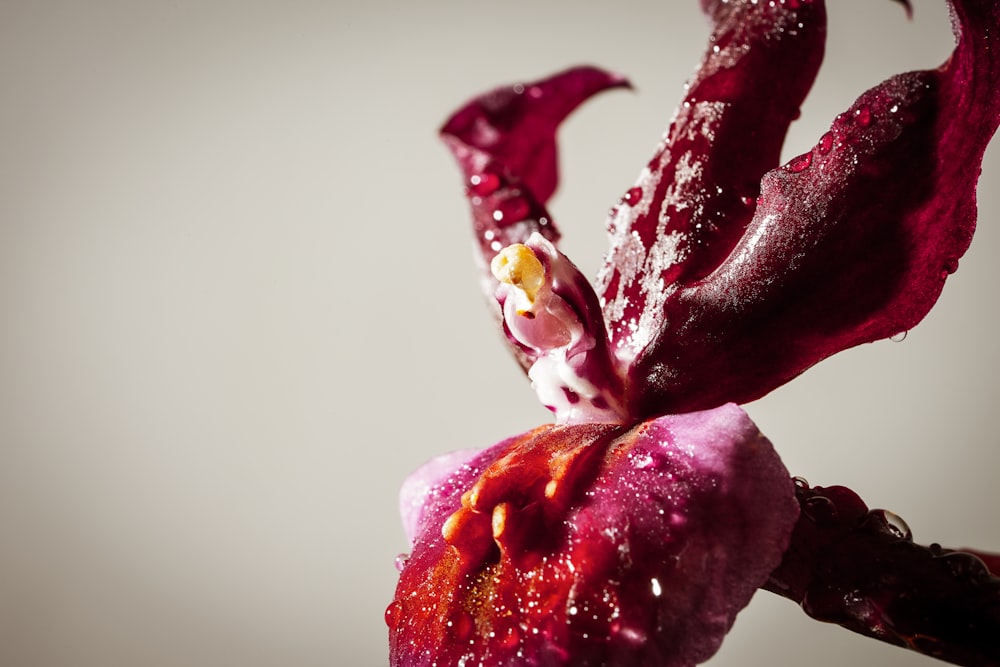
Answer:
[(595, 545), (696, 196), (851, 242), (505, 144)]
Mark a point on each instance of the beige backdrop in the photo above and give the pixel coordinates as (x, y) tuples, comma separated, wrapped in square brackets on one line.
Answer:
[(238, 306)]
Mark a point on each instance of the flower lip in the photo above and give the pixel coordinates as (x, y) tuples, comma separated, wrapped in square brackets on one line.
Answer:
[(593, 545)]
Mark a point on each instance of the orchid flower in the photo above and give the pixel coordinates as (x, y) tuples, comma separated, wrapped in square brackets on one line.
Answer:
[(632, 530)]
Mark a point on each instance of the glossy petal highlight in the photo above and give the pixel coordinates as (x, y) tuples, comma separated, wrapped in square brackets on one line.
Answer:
[(694, 199), (850, 242), (594, 545)]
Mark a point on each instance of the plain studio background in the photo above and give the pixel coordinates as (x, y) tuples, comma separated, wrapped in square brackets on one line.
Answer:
[(239, 306)]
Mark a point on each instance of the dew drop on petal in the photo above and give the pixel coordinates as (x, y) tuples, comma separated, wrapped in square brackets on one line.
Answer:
[(825, 143), (800, 163), (394, 613), (898, 337), (633, 196), (820, 509), (461, 626), (511, 210), (863, 115), (896, 525), (484, 184), (401, 561)]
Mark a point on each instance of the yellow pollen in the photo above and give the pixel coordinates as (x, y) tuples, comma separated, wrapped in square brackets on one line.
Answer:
[(518, 265), (451, 526), (500, 519)]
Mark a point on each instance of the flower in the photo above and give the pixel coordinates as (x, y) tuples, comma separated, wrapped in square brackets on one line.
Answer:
[(632, 530)]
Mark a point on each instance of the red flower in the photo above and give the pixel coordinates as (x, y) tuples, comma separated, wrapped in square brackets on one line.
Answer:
[(633, 531)]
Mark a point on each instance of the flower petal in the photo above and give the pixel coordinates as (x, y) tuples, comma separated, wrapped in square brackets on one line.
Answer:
[(595, 545), (850, 242), (696, 196), (504, 142)]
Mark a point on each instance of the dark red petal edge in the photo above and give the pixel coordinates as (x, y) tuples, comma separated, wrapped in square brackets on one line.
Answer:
[(860, 568), (851, 242), (694, 199)]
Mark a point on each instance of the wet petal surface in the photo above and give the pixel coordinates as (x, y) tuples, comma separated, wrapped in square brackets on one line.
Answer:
[(595, 545), (850, 242)]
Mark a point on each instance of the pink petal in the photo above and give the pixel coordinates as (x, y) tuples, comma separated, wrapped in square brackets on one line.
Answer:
[(850, 242), (595, 545)]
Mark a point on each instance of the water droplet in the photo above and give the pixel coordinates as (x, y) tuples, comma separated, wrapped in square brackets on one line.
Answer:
[(510, 639), (511, 210), (401, 561), (800, 482), (394, 614), (825, 143), (896, 525), (633, 196), (800, 163), (820, 509), (966, 566), (484, 184), (461, 626), (863, 115), (898, 337), (951, 266)]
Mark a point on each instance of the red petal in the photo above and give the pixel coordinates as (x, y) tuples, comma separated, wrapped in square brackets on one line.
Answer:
[(504, 142), (594, 545), (850, 243), (695, 198)]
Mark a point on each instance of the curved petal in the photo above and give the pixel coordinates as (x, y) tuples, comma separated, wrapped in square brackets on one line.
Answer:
[(505, 144), (850, 242), (595, 545), (696, 196)]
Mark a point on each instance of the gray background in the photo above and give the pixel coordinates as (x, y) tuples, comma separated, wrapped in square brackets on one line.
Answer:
[(238, 306)]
